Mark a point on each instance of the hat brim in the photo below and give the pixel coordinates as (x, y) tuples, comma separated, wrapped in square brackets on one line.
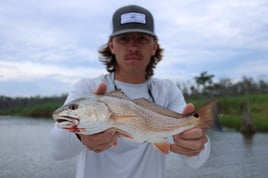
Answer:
[(121, 32)]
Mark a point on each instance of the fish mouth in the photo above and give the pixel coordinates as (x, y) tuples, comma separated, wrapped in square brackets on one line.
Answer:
[(67, 122)]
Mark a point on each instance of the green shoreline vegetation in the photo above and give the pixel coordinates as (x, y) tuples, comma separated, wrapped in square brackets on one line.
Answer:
[(230, 110), (35, 107), (234, 101)]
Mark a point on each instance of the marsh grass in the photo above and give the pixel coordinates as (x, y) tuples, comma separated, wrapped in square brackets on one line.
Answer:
[(231, 110), (43, 110)]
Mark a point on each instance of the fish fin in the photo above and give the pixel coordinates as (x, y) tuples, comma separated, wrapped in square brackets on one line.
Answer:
[(117, 93), (157, 108), (162, 146), (114, 143), (208, 116), (125, 134)]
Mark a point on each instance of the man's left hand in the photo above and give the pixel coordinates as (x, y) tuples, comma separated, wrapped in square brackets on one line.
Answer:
[(190, 142)]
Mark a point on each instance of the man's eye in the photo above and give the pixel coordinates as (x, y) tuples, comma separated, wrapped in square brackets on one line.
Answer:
[(143, 39), (124, 39)]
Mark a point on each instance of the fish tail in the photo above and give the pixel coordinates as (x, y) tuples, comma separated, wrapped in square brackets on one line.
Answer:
[(208, 116)]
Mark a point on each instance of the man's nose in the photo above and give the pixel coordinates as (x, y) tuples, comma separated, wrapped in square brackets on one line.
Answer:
[(133, 45)]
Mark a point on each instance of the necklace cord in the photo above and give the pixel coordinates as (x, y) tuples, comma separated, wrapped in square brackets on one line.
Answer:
[(148, 86)]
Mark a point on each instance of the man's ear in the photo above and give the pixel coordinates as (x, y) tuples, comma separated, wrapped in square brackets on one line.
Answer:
[(111, 46), (155, 47)]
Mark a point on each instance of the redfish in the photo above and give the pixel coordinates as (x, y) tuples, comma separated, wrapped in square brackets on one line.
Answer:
[(139, 120)]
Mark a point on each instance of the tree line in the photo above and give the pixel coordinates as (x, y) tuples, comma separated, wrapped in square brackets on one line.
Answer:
[(204, 86), (19, 102)]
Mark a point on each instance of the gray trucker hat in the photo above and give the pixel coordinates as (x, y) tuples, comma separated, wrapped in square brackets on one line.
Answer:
[(132, 18)]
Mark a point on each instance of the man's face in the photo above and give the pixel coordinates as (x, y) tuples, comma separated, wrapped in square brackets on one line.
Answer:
[(133, 51)]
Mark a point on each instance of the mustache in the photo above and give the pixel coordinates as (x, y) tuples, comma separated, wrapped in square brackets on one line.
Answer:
[(133, 54)]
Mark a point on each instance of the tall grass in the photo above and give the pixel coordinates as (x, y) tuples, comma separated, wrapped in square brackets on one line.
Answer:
[(231, 110), (44, 110)]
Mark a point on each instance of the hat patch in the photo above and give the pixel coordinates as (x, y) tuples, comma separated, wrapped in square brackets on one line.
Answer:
[(133, 17)]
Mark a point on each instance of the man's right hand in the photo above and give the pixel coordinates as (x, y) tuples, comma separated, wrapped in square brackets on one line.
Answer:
[(101, 141)]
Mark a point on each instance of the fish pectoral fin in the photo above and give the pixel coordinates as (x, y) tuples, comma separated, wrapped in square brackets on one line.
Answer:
[(162, 146), (125, 134), (114, 143)]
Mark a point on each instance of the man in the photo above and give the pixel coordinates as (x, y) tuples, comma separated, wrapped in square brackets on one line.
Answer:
[(130, 56)]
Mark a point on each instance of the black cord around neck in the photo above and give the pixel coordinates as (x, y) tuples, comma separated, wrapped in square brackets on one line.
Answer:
[(149, 90)]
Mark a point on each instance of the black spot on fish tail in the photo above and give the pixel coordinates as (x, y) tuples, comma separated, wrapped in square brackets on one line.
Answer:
[(208, 116)]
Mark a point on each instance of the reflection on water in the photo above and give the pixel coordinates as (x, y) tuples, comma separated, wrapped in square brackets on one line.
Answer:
[(23, 154), (232, 155)]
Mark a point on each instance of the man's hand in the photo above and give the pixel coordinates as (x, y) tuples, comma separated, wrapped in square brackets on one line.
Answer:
[(101, 89), (101, 141), (104, 140), (190, 142)]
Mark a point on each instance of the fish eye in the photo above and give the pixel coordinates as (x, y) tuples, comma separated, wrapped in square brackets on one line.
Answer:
[(73, 106), (196, 115)]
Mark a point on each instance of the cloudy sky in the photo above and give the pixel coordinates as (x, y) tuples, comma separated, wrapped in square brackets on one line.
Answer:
[(48, 45)]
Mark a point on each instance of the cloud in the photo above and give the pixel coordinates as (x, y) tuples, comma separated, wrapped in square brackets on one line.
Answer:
[(29, 79), (25, 71), (46, 43)]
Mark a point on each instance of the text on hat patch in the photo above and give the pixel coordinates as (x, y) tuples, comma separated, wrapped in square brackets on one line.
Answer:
[(133, 17)]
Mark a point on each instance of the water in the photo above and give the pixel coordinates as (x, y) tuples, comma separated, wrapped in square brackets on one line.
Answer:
[(23, 154), (23, 150), (232, 156)]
